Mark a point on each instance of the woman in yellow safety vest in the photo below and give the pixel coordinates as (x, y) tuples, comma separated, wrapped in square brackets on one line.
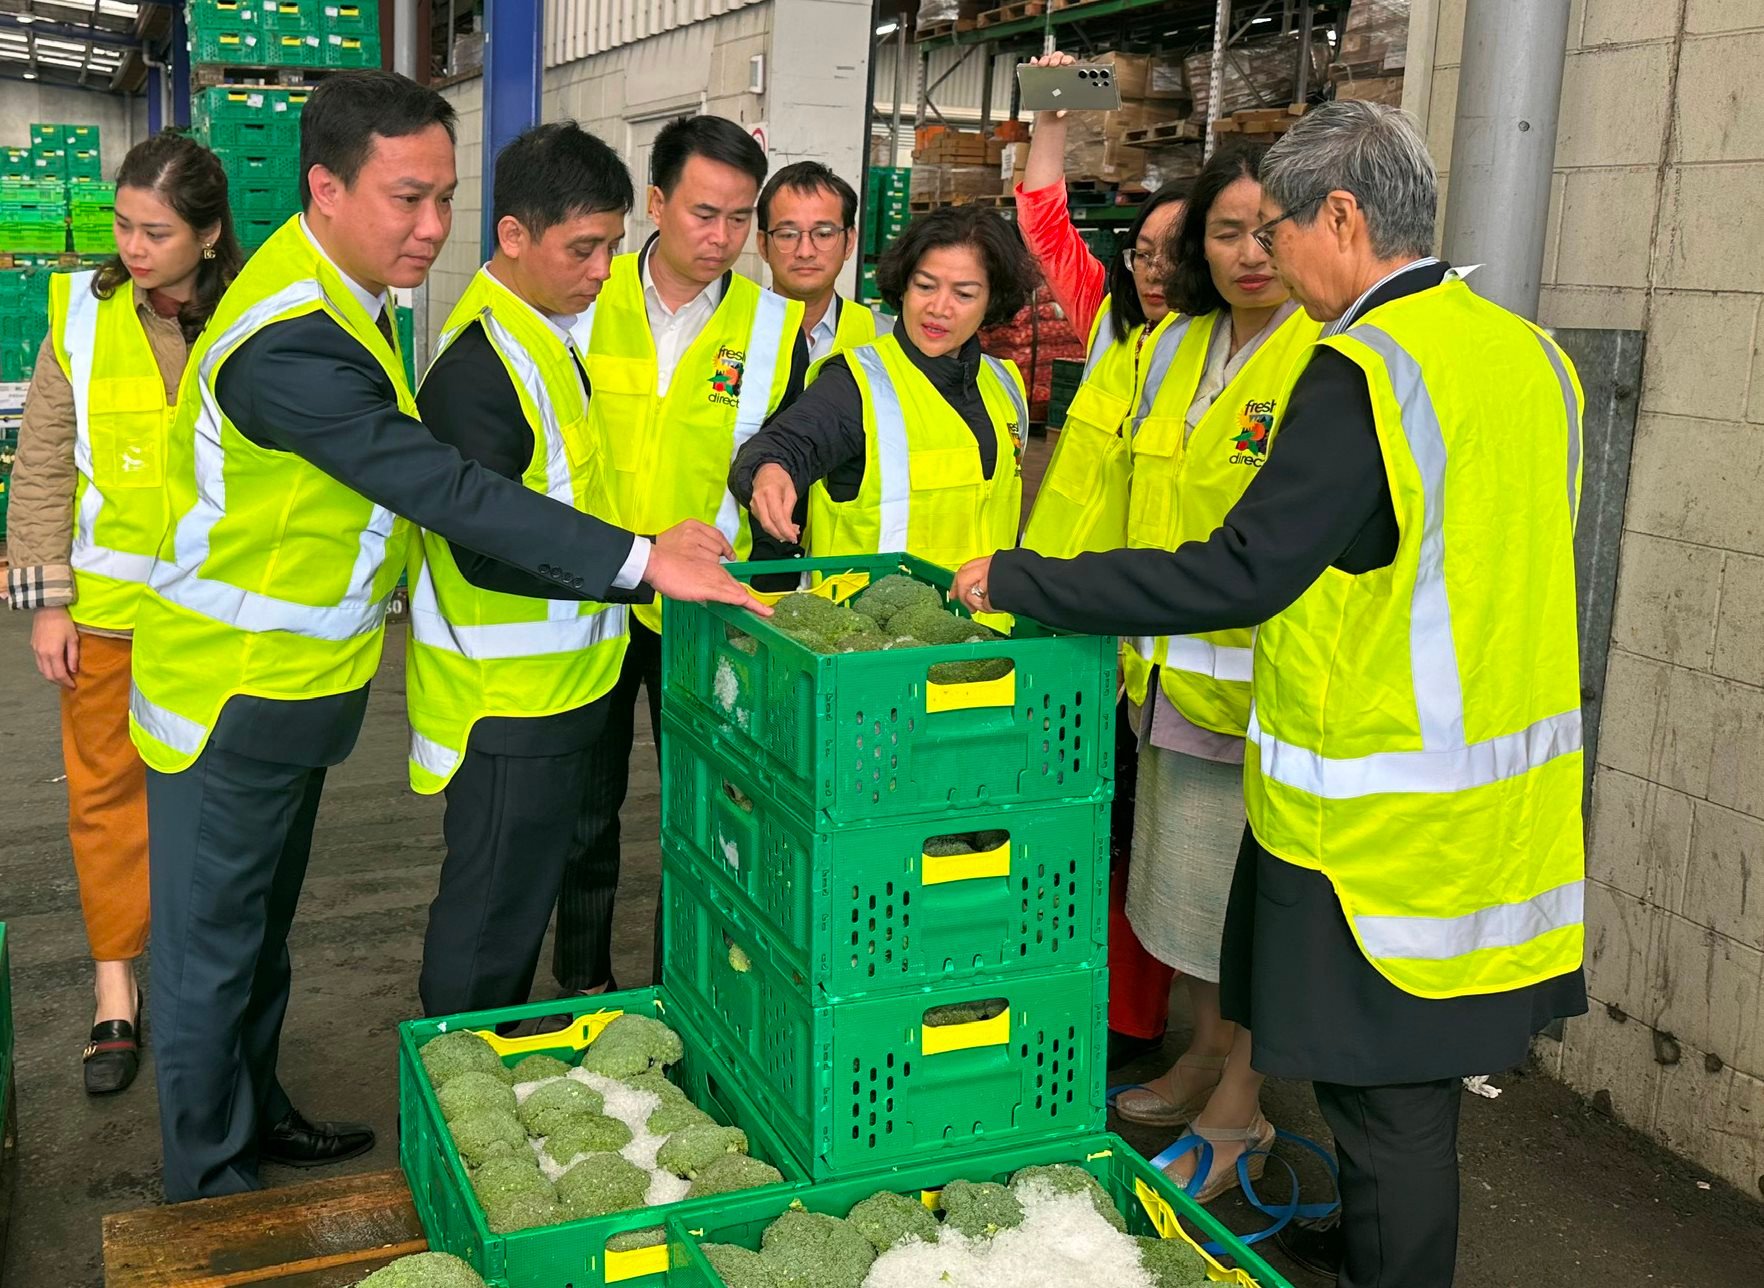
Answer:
[(1222, 372), (914, 441), (88, 509)]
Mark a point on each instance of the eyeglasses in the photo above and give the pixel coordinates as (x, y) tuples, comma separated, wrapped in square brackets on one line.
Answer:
[(1150, 261), (821, 236), (1265, 234)]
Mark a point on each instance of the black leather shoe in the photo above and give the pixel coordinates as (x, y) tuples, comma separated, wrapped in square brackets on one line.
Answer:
[(295, 1142), (112, 1057), (1315, 1245), (1124, 1048)]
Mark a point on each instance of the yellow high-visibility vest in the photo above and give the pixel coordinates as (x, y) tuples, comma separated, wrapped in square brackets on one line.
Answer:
[(667, 457), (473, 653), (1183, 486), (1416, 735), (273, 578), (856, 325), (1082, 503), (121, 421)]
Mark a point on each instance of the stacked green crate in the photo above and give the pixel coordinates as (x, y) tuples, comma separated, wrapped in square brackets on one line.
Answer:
[(84, 166), (33, 215), (284, 33), (886, 189), (256, 133), (15, 163), (92, 217), (885, 885), (24, 318)]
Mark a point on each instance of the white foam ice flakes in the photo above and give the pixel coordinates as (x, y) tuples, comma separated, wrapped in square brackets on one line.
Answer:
[(726, 687), (524, 1089)]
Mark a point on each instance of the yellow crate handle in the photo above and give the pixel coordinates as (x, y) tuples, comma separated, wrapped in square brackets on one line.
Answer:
[(940, 868), (1163, 1217), (636, 1263), (942, 1038), (840, 587), (1001, 692), (578, 1035)]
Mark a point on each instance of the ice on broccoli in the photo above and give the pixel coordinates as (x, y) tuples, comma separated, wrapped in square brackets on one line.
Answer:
[(1171, 1263), (740, 1267), (1064, 1178), (556, 1103), (478, 1135), (462, 1051), (536, 1068), (599, 1184), (516, 1172), (867, 641), (733, 1172), (521, 1210), (980, 1209), (584, 1133), (815, 1250), (466, 1093), (424, 1270), (887, 1218), (632, 1044), (893, 594), (634, 1240), (688, 1151), (940, 1017)]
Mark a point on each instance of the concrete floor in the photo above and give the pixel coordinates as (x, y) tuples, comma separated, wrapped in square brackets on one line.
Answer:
[(1554, 1193)]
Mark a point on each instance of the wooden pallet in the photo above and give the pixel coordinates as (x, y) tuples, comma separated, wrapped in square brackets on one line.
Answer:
[(1163, 134), (935, 31), (212, 75), (1260, 120), (1059, 5), (324, 1234), (1011, 13)]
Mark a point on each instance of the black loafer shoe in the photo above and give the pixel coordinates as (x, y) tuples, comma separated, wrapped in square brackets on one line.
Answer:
[(1124, 1048), (295, 1142), (112, 1057), (1315, 1245)]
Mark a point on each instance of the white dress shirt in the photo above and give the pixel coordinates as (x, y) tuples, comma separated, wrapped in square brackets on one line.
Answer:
[(372, 304), (674, 330)]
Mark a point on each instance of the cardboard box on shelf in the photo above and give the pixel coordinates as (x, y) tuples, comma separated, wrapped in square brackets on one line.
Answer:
[(942, 184), (1371, 89), (1167, 78), (1110, 160), (1376, 36)]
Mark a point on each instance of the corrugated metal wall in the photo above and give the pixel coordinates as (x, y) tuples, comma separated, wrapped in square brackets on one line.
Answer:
[(577, 28), (958, 97)]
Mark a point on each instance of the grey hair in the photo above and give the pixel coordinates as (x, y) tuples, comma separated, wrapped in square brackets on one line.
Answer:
[(1372, 151)]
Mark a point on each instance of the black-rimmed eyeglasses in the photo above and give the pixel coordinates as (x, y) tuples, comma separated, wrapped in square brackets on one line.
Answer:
[(821, 236), (1264, 235)]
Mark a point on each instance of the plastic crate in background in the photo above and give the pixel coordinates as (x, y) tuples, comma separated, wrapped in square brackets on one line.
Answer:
[(574, 1253), (1150, 1202)]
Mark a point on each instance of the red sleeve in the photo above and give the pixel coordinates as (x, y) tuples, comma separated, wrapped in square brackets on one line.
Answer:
[(1075, 276)]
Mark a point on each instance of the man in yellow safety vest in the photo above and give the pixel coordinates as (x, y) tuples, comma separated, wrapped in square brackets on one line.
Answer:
[(808, 233)]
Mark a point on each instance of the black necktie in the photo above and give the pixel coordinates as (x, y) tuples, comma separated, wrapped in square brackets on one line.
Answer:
[(384, 322)]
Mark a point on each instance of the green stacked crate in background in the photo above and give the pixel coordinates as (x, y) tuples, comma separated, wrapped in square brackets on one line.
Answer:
[(24, 317), (48, 162), (33, 215), (15, 164), (886, 190), (256, 133), (92, 218), (285, 33), (84, 165)]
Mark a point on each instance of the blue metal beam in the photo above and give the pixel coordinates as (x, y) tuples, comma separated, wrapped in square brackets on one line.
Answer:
[(514, 72), (179, 58), (155, 100)]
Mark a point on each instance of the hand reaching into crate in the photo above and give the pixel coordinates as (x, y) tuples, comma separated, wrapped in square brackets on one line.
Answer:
[(774, 502), (971, 584), (686, 565)]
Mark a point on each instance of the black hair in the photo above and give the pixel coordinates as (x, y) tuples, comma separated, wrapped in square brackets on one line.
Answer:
[(1124, 307), (187, 177), (556, 172), (347, 111), (712, 137), (1011, 274), (808, 177), (1189, 282)]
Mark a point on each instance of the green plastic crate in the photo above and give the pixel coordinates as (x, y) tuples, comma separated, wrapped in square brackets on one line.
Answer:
[(344, 49), (302, 48), (251, 120), (237, 45), (1148, 1200), (280, 197), (575, 1253), (867, 1084), (301, 16), (865, 911), (33, 237), (253, 231), (352, 19), (250, 168), (859, 737)]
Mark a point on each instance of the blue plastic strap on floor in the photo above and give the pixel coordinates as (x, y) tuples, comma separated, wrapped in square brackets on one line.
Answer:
[(1283, 1213)]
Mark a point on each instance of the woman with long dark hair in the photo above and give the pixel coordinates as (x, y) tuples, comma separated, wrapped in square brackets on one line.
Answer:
[(88, 511)]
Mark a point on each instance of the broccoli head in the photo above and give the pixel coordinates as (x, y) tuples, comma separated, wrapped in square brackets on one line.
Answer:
[(939, 1017), (466, 1093), (586, 1134), (691, 1149), (930, 623), (942, 847), (815, 1250), (673, 1116), (424, 1270), (869, 641), (521, 1210), (740, 1267), (481, 1135), (891, 595), (733, 1172), (975, 671), (887, 1218), (599, 1184), (980, 1209), (1171, 1263), (556, 1103), (1064, 1178), (632, 1044), (633, 1240), (537, 1068), (462, 1051), (516, 1172)]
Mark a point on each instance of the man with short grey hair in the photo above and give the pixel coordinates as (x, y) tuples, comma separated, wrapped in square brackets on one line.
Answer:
[(1406, 908)]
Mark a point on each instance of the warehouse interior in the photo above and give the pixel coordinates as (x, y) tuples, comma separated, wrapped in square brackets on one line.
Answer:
[(1628, 1151)]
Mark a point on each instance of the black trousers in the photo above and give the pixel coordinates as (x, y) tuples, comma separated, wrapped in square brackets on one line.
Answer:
[(228, 844), (510, 827), (581, 955), (1398, 1150)]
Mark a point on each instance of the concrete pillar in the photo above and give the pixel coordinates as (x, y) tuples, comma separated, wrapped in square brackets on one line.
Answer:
[(404, 38)]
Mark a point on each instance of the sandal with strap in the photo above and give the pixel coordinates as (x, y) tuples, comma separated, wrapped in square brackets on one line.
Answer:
[(1150, 1107), (1207, 1184), (1250, 1166)]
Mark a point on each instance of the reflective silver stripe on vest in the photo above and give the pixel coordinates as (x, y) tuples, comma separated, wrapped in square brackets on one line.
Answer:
[(1105, 337), (178, 732), (431, 756), (1003, 375), (1572, 404), (79, 338), (1203, 657), (1506, 925), (178, 580), (1158, 366), (894, 475), (758, 368)]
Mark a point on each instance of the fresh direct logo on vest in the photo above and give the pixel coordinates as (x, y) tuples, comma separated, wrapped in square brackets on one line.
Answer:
[(1254, 424), (726, 371)]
